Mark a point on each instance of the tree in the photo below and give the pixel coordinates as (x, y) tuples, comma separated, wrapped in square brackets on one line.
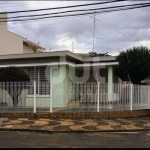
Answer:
[(134, 64), (11, 76), (94, 54)]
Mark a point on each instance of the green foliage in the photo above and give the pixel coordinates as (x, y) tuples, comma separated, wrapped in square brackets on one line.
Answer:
[(94, 54), (13, 74), (134, 64)]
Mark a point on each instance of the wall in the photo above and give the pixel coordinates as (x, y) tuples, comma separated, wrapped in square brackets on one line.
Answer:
[(3, 26), (115, 78), (102, 79), (11, 43), (60, 91), (5, 97), (40, 102), (79, 115), (27, 49), (59, 77), (69, 85)]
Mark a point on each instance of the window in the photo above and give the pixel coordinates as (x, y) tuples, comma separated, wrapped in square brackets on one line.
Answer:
[(42, 84)]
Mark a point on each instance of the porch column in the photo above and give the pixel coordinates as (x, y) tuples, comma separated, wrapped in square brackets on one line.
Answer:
[(110, 83), (62, 92), (58, 89)]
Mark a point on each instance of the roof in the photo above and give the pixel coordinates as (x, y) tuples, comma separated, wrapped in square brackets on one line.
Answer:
[(53, 58), (31, 44), (87, 58), (87, 55), (34, 46), (82, 54), (66, 53)]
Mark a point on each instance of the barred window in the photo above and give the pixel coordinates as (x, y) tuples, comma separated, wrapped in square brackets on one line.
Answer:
[(42, 84)]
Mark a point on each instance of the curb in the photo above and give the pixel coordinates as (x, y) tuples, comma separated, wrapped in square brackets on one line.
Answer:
[(72, 131)]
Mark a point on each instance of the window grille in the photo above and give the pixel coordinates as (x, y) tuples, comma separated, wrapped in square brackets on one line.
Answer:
[(42, 84)]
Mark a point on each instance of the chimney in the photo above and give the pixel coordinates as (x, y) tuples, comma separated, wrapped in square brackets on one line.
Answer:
[(3, 25)]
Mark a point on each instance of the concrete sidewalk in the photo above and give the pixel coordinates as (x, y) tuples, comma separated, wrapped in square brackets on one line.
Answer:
[(76, 125)]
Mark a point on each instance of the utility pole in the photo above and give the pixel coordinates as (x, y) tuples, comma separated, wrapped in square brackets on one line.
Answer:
[(94, 32)]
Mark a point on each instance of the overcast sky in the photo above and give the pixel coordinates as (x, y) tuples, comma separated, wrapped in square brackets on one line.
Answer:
[(114, 31)]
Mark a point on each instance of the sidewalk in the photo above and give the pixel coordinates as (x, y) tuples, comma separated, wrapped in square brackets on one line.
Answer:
[(80, 125)]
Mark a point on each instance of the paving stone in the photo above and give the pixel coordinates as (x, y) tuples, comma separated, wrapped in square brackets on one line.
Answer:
[(75, 124), (33, 118), (65, 128), (78, 123), (57, 128), (13, 118), (27, 122), (118, 127), (123, 123), (90, 128), (39, 123), (68, 123), (76, 127), (54, 123), (141, 126), (102, 123), (3, 120)]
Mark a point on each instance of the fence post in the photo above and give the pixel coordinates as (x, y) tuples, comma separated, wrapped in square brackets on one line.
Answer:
[(51, 97), (98, 97), (148, 98), (131, 98), (34, 96)]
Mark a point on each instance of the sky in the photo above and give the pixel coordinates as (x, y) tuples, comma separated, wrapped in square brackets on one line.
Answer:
[(114, 31)]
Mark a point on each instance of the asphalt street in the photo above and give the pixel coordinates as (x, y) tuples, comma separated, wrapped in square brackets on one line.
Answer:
[(22, 139)]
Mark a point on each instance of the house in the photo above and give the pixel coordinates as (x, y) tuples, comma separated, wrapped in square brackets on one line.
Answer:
[(11, 43), (61, 67), (54, 71)]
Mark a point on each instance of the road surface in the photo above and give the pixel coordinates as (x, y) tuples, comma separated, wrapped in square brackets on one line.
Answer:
[(74, 140)]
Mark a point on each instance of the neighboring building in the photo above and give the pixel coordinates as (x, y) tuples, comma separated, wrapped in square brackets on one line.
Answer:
[(11, 43)]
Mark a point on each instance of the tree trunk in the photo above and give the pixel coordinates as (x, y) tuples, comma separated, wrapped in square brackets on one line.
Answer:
[(15, 100), (13, 92)]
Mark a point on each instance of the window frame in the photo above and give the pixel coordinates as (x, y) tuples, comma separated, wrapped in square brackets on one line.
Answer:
[(37, 69)]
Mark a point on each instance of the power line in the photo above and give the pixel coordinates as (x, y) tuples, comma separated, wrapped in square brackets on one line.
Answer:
[(22, 4), (47, 19), (98, 12), (123, 9), (14, 2), (102, 8), (64, 7)]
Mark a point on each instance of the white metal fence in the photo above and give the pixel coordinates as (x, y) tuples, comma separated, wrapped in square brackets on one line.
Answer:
[(72, 97), (13, 96)]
